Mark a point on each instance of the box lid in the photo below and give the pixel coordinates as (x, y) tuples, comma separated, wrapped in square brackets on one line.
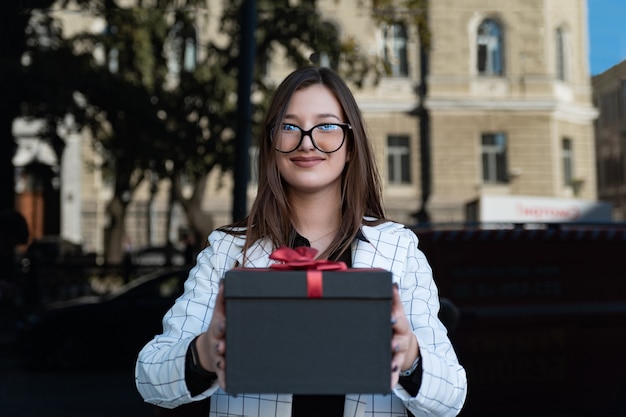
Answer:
[(268, 283)]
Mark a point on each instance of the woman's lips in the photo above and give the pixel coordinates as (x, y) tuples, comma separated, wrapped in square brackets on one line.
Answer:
[(306, 162)]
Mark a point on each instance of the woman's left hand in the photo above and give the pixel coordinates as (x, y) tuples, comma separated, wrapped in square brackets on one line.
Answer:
[(404, 346)]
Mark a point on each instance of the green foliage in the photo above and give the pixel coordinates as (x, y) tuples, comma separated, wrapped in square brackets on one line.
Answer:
[(134, 113), (148, 115)]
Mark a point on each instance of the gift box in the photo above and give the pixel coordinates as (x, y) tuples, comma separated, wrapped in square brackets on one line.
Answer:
[(308, 331)]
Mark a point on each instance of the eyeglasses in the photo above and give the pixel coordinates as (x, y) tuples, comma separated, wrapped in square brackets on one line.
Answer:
[(325, 137)]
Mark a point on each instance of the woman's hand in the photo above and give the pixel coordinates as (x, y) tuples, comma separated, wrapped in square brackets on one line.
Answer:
[(404, 346), (211, 345)]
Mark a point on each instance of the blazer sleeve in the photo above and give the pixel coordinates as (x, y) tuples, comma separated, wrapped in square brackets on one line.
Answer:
[(444, 383), (159, 370)]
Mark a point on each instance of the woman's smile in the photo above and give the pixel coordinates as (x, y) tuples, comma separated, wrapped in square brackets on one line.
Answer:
[(307, 161)]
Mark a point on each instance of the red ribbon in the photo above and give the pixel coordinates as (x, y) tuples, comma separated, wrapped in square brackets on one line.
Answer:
[(303, 258)]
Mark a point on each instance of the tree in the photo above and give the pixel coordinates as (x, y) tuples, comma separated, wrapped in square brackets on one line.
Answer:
[(199, 114), (149, 111)]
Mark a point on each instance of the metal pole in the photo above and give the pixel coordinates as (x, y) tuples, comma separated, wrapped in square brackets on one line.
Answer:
[(244, 109)]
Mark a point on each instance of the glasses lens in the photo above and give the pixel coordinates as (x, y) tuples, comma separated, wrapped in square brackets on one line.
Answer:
[(327, 137), (287, 137)]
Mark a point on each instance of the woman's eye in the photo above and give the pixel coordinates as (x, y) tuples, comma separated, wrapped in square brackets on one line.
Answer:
[(289, 128), (328, 127)]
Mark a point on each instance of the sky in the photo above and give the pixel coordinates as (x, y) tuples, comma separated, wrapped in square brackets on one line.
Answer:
[(607, 34)]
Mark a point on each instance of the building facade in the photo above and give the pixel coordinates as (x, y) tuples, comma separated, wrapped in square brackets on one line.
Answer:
[(509, 108), (609, 96), (510, 100), (508, 97)]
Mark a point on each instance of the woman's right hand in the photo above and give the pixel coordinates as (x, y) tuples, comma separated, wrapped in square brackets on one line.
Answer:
[(211, 345)]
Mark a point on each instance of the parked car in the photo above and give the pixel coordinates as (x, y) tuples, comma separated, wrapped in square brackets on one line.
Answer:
[(100, 332), (158, 256)]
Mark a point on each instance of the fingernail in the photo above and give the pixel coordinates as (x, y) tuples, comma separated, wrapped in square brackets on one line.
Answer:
[(395, 368), (217, 348), (396, 348), (394, 320)]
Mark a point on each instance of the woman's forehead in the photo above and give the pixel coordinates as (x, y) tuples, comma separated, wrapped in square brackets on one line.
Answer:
[(315, 100)]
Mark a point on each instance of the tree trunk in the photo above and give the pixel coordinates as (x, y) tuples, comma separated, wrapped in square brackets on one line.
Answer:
[(115, 231), (199, 221)]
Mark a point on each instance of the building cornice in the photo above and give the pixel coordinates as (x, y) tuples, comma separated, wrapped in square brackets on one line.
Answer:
[(567, 111)]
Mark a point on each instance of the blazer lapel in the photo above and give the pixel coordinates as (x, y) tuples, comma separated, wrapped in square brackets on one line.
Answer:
[(258, 255), (384, 249)]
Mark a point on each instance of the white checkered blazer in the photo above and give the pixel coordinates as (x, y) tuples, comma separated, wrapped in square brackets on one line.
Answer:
[(160, 366)]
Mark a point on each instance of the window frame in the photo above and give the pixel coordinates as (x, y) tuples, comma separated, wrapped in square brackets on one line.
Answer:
[(494, 158), (567, 159), (181, 49), (399, 160), (490, 48), (395, 49)]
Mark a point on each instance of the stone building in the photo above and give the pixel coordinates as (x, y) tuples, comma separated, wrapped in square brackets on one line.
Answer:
[(508, 100), (609, 96)]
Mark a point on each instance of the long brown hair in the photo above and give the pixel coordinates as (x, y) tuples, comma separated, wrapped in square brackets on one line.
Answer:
[(271, 214)]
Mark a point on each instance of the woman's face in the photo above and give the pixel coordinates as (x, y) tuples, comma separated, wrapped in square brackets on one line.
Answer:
[(307, 169)]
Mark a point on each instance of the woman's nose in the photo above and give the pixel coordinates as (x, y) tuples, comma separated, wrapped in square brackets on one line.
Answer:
[(307, 142)]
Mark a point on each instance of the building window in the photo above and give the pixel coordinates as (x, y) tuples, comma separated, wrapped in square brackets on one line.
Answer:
[(561, 55), (490, 51), (113, 61), (398, 159), (181, 49), (567, 153), (395, 50), (494, 158)]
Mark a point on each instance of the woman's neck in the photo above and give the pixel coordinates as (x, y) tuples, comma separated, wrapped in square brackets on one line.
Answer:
[(317, 218)]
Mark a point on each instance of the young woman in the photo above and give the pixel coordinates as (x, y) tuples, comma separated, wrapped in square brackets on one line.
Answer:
[(318, 186)]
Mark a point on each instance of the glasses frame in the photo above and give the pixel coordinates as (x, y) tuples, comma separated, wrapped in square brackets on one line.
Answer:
[(345, 127)]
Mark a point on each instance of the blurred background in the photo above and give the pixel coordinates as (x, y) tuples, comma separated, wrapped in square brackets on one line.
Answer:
[(128, 131)]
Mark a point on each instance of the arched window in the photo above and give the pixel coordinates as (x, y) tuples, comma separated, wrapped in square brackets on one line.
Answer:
[(490, 48), (561, 54), (181, 49), (395, 50)]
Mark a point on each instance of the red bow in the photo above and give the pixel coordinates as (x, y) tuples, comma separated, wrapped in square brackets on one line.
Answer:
[(303, 258)]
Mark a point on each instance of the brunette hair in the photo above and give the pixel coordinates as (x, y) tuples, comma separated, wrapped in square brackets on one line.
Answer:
[(361, 193)]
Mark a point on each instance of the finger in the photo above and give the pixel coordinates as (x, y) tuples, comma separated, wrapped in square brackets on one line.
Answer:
[(395, 374), (218, 328), (218, 320), (220, 370), (397, 310), (220, 347), (220, 305)]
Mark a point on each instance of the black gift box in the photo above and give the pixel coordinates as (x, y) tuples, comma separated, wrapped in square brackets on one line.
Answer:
[(282, 337)]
